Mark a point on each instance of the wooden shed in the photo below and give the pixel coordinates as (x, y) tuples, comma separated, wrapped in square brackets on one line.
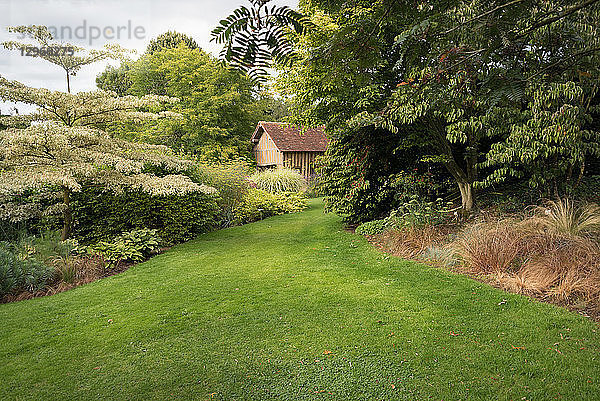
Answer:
[(277, 145)]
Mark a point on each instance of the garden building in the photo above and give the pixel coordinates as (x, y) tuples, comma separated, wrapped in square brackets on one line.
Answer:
[(277, 145)]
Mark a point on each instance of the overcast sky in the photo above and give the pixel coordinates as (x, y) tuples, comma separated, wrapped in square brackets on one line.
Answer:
[(84, 20)]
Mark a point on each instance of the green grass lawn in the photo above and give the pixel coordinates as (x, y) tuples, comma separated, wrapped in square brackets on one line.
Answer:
[(293, 308)]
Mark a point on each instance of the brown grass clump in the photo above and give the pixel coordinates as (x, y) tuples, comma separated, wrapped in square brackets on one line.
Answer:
[(411, 242), (565, 267), (490, 248)]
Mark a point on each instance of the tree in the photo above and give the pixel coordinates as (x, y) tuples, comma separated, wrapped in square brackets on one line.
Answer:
[(454, 76), (65, 149), (217, 105), (170, 40), (471, 74), (65, 55), (255, 37), (115, 79)]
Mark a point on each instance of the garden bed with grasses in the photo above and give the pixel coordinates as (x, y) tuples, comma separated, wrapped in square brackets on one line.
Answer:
[(550, 253)]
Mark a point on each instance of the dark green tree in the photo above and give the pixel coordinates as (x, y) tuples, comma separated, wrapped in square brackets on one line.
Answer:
[(455, 76), (170, 40), (115, 79)]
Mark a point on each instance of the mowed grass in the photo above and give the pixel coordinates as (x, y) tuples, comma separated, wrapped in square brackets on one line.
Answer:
[(293, 308)]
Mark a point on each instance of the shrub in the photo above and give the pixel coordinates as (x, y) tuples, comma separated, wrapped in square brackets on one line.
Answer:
[(133, 246), (414, 213), (259, 204), (102, 215), (372, 227), (366, 173), (231, 182), (279, 180), (419, 212), (21, 274)]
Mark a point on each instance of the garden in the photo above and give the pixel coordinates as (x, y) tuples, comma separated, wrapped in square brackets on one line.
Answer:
[(445, 246)]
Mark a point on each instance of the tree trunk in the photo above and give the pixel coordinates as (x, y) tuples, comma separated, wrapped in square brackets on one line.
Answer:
[(67, 215), (467, 197), (68, 83)]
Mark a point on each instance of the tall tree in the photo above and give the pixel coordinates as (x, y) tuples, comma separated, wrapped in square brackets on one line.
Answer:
[(170, 40), (65, 55), (217, 105), (455, 76)]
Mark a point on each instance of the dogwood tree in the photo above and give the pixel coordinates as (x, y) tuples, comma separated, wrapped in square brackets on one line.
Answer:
[(64, 147)]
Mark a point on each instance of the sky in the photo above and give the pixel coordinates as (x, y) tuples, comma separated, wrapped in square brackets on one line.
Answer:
[(92, 24)]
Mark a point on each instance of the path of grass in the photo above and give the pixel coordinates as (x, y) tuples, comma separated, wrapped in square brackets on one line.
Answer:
[(293, 308)]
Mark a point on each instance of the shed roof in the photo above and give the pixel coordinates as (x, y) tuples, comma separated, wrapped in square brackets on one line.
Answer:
[(292, 138)]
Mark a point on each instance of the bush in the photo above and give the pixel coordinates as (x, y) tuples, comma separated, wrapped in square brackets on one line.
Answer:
[(21, 274), (259, 204), (366, 173), (102, 215), (418, 212), (279, 180), (231, 182), (414, 213), (132, 246), (372, 227)]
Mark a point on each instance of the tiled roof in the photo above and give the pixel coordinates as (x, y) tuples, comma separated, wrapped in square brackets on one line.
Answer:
[(291, 138)]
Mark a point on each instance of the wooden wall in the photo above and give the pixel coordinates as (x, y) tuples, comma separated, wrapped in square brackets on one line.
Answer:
[(266, 153), (301, 161)]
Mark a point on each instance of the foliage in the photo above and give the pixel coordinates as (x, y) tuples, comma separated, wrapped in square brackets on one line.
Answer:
[(255, 37), (217, 105), (21, 273), (278, 180), (372, 227), (367, 173), (457, 79), (170, 40), (65, 152), (231, 182), (417, 212), (115, 79), (550, 147), (100, 215), (132, 246), (259, 204), (413, 213)]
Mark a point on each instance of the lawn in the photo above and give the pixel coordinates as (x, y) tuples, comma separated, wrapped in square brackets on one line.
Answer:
[(290, 308)]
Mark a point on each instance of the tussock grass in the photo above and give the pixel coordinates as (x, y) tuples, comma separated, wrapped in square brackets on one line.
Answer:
[(279, 180), (565, 217)]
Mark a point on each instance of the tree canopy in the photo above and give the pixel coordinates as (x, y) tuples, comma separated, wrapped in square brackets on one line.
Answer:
[(488, 87)]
